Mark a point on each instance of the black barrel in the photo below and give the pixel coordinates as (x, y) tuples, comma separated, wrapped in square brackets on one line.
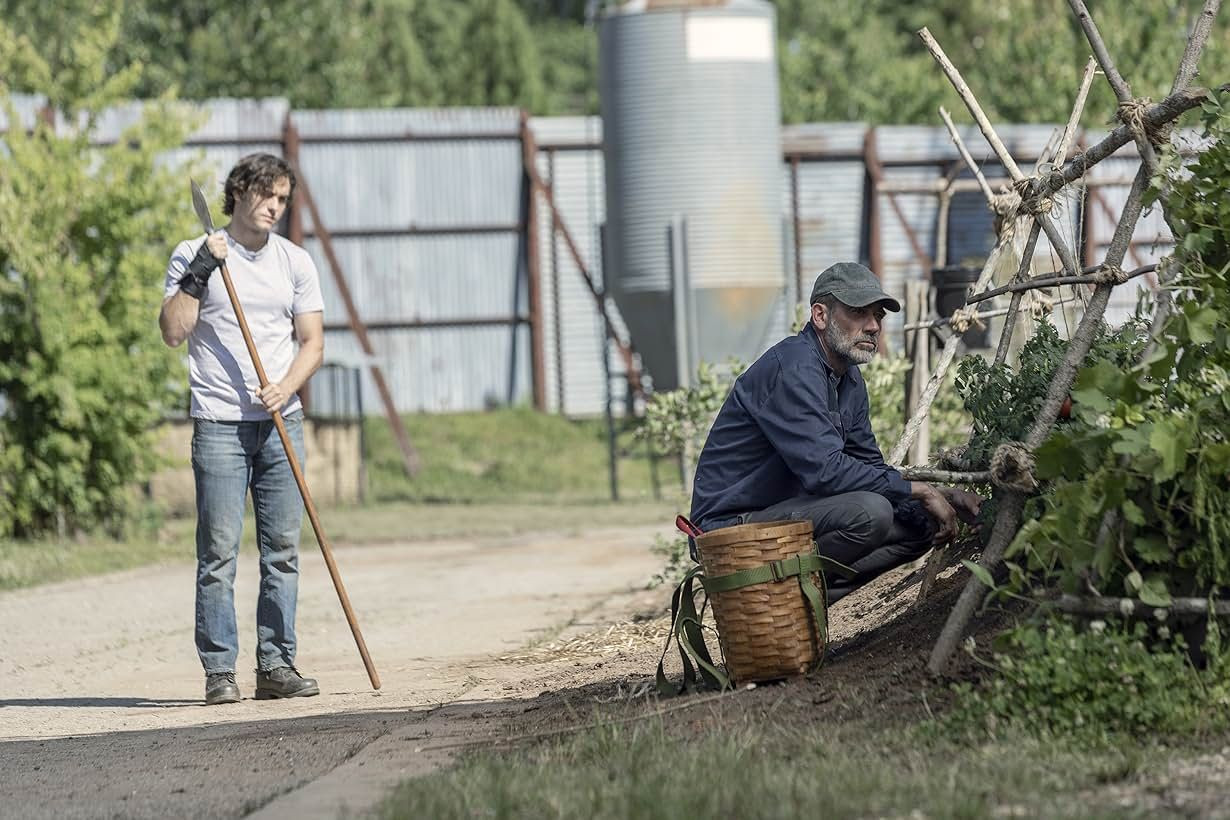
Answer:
[(951, 284)]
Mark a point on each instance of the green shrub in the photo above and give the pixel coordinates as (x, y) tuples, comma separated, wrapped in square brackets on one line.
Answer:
[(86, 235), (1111, 678), (675, 557), (886, 378), (1147, 447)]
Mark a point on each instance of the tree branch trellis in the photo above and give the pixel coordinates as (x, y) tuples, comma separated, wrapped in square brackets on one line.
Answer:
[(1148, 126)]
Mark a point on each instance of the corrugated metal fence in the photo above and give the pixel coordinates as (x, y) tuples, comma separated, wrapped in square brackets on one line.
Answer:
[(433, 226)]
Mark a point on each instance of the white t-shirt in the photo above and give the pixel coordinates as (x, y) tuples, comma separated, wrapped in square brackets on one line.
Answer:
[(274, 285)]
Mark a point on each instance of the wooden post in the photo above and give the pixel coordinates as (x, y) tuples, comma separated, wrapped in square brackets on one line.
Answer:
[(918, 343), (871, 193), (796, 228)]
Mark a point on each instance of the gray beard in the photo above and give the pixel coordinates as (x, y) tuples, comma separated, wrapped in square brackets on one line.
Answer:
[(844, 346)]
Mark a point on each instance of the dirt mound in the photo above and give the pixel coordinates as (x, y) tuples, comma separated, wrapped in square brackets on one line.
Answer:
[(875, 670)]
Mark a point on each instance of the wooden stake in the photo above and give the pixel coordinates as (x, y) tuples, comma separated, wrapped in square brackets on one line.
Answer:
[(1013, 501)]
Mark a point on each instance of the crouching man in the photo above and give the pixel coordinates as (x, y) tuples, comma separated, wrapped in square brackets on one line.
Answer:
[(793, 441)]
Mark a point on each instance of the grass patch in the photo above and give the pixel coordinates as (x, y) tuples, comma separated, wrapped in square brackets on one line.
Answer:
[(41, 561), (643, 770), (405, 521), (509, 454), (499, 473), (46, 560)]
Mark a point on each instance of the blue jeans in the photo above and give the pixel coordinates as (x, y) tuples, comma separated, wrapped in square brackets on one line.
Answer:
[(228, 459)]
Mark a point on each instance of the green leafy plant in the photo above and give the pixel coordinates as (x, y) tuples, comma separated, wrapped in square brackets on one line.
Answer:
[(677, 421), (1110, 678), (676, 560), (1004, 401), (1147, 450), (886, 376), (87, 230)]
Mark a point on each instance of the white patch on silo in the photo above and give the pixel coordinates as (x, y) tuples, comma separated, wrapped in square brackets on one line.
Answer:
[(729, 39)]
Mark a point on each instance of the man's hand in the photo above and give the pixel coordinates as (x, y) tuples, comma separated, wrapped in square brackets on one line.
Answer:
[(209, 256), (937, 507), (274, 396), (966, 504)]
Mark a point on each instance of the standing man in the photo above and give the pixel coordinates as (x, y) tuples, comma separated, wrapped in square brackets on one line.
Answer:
[(793, 441), (235, 446)]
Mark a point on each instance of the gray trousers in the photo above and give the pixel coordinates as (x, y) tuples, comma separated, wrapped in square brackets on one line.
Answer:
[(862, 530)]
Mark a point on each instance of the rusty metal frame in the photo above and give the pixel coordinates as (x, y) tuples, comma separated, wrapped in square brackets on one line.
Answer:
[(533, 264), (303, 197), (557, 310), (796, 227), (875, 171), (560, 228)]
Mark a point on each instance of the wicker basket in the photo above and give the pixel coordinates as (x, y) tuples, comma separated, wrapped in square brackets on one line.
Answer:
[(766, 630)]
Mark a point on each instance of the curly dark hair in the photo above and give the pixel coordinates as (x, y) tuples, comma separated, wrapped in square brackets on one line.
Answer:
[(256, 172)]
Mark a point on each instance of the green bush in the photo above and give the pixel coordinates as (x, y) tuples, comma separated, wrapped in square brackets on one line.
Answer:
[(1147, 448), (886, 377), (1056, 679), (85, 239), (676, 559), (1004, 401)]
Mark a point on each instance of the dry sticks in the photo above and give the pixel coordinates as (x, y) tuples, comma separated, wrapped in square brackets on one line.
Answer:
[(1142, 123), (1092, 275)]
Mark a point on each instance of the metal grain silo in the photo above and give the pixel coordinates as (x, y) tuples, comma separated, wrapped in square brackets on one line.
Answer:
[(691, 133)]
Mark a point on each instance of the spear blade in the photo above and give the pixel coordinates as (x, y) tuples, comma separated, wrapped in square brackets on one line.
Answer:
[(201, 207)]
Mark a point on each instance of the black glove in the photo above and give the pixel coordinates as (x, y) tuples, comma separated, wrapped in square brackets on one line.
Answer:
[(195, 280)]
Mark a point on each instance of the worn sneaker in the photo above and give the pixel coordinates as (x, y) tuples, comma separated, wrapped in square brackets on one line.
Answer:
[(284, 682), (220, 687)]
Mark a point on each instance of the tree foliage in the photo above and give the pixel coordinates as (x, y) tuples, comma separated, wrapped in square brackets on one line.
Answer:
[(838, 60), (83, 373)]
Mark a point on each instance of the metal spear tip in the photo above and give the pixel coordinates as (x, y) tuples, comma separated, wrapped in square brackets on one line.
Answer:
[(201, 207)]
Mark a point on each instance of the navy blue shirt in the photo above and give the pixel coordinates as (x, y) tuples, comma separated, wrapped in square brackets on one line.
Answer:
[(790, 427)]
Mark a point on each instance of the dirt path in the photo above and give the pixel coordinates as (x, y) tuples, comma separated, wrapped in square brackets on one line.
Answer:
[(100, 688)]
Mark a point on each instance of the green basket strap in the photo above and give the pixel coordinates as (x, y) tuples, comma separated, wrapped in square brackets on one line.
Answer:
[(779, 570), (817, 601), (687, 633)]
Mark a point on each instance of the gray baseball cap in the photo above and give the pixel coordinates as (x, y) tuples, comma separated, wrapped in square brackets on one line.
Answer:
[(853, 285)]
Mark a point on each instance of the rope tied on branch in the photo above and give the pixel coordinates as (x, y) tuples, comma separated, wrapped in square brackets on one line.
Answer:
[(1012, 467), (1055, 180), (1041, 205), (1006, 204), (1110, 275), (1033, 196), (1041, 304), (1132, 113), (964, 318)]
